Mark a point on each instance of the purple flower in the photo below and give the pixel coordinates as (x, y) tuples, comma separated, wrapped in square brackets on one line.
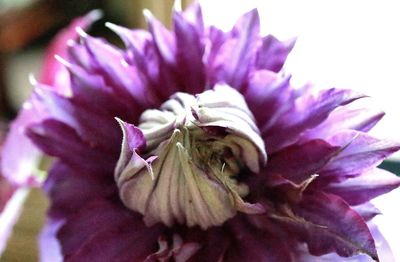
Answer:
[(221, 158)]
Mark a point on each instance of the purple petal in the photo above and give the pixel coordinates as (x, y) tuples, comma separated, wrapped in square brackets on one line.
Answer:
[(70, 189), (53, 72), (189, 60), (164, 44), (327, 224), (273, 53), (308, 112), (108, 60), (365, 187), (214, 243), (163, 39), (251, 244), (367, 210), (268, 95), (360, 153), (384, 252), (109, 231), (132, 140), (237, 53), (60, 140), (20, 157), (298, 162), (193, 14), (344, 118), (85, 121), (90, 91)]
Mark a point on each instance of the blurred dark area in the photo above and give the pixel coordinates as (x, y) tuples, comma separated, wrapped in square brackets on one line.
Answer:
[(27, 26), (392, 166), (30, 24)]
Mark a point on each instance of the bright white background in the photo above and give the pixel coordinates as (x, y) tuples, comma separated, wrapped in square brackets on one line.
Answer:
[(341, 43)]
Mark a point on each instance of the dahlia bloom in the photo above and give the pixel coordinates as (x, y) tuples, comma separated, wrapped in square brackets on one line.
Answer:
[(192, 145)]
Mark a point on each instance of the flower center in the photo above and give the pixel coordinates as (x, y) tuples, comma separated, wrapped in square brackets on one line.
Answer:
[(196, 147)]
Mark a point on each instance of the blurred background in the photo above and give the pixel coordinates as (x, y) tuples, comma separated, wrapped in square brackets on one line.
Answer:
[(349, 44)]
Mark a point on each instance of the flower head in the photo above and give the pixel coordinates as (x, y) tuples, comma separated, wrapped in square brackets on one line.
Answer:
[(221, 158)]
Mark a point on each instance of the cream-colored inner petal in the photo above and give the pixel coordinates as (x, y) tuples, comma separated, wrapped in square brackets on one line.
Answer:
[(189, 173)]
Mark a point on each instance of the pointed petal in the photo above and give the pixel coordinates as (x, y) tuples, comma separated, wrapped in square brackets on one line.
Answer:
[(122, 78), (344, 118), (236, 55), (85, 120), (163, 39), (268, 95), (327, 224), (273, 53), (307, 112), (189, 61), (360, 153), (53, 72), (365, 187)]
